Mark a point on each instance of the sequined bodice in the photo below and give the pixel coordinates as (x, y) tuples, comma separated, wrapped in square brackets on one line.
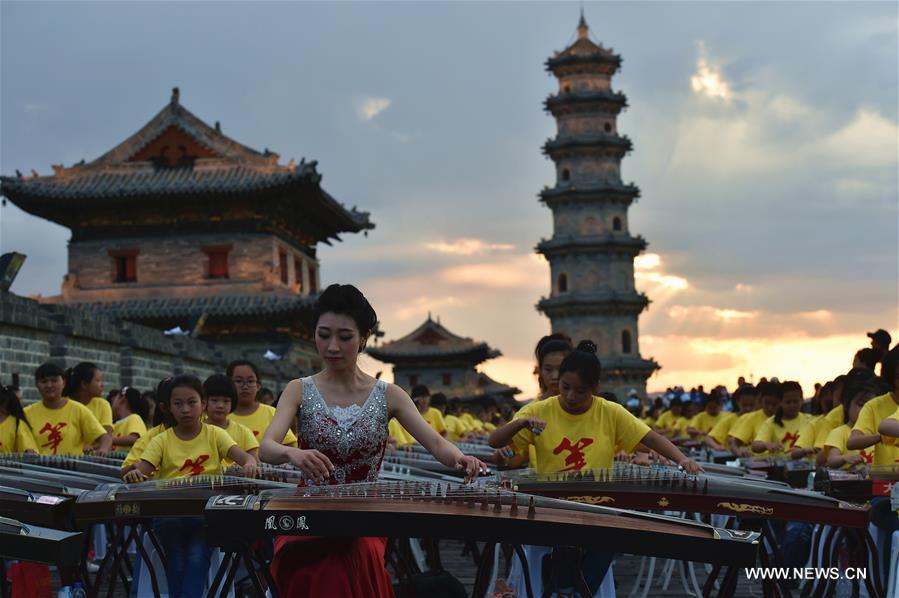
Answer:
[(353, 438)]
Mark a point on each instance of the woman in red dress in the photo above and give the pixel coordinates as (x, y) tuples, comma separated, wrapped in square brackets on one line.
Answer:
[(342, 414)]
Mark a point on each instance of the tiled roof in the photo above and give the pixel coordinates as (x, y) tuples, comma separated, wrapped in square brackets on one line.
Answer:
[(191, 307), (583, 50), (484, 386), (222, 166), (432, 339)]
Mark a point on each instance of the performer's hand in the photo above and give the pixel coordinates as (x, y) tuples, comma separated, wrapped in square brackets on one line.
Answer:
[(854, 459), (534, 424), (774, 447), (472, 467), (312, 463), (249, 468), (690, 466), (135, 475)]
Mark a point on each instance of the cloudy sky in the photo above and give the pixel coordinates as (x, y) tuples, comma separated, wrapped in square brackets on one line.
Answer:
[(765, 146)]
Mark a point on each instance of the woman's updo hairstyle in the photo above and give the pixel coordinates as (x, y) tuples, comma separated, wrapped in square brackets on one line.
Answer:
[(347, 300), (556, 345), (583, 362)]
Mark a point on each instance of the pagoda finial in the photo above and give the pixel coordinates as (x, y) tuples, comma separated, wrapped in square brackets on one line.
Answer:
[(582, 28), (429, 316), (176, 95)]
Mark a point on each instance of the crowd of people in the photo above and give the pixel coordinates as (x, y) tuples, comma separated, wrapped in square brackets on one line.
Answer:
[(336, 425)]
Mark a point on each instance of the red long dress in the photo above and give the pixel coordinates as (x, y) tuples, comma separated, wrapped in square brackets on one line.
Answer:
[(354, 439)]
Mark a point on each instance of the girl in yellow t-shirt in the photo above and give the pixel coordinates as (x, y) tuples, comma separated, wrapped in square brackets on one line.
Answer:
[(838, 455), (249, 411), (221, 399), (84, 383), (188, 448), (579, 430), (61, 426), (781, 431), (131, 412), (15, 433), (550, 352), (745, 398)]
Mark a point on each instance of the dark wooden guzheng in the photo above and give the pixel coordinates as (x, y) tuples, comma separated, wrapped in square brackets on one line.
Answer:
[(95, 466), (454, 511), (36, 508), (427, 462), (39, 544), (178, 497), (667, 488), (859, 484)]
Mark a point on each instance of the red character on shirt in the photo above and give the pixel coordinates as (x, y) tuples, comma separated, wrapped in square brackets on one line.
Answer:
[(790, 438), (196, 467), (54, 438), (575, 460)]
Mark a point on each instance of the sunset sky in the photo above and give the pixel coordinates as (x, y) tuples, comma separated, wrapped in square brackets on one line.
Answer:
[(765, 146)]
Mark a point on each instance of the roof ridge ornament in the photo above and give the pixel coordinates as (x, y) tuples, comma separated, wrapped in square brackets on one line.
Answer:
[(176, 96)]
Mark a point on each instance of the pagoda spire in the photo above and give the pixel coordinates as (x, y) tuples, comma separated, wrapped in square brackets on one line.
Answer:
[(582, 28)]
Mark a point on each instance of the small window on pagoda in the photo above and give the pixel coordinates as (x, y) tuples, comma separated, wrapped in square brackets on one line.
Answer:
[(218, 261), (413, 381), (616, 223), (566, 174), (124, 265), (608, 127), (282, 264), (447, 379), (563, 283), (313, 288), (625, 341), (298, 274)]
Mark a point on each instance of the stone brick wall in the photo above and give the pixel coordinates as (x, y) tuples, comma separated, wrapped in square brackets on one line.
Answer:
[(128, 354), (179, 265)]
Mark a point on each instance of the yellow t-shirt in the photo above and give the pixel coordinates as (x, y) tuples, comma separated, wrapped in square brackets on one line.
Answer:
[(176, 458), (242, 435), (825, 426), (63, 431), (835, 416), (132, 424), (258, 422), (16, 438), (679, 424), (723, 427), (475, 424), (747, 426), (399, 433), (137, 449), (488, 426), (102, 410), (435, 419), (809, 432), (649, 421), (786, 433), (455, 428), (872, 413), (705, 422), (573, 442), (837, 439), (666, 420)]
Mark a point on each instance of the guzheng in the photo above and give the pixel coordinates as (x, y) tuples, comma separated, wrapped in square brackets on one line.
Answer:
[(781, 468), (859, 484), (427, 462), (178, 497), (36, 508), (95, 466), (39, 544), (667, 488), (455, 511)]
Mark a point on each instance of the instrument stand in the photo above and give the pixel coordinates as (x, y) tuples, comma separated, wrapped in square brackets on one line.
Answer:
[(232, 557), (119, 544)]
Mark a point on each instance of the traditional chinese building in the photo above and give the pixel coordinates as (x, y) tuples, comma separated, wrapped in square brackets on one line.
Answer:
[(442, 361), (591, 253), (181, 226)]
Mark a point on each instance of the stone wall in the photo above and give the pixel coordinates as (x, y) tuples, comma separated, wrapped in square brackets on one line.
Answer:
[(128, 354), (179, 266)]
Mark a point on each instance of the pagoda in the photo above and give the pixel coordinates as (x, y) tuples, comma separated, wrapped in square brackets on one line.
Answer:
[(180, 226), (444, 362), (591, 253)]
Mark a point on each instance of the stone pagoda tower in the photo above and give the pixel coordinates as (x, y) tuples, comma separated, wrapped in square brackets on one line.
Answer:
[(591, 253)]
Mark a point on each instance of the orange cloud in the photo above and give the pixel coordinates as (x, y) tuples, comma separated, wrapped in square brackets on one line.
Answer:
[(467, 246), (525, 272)]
